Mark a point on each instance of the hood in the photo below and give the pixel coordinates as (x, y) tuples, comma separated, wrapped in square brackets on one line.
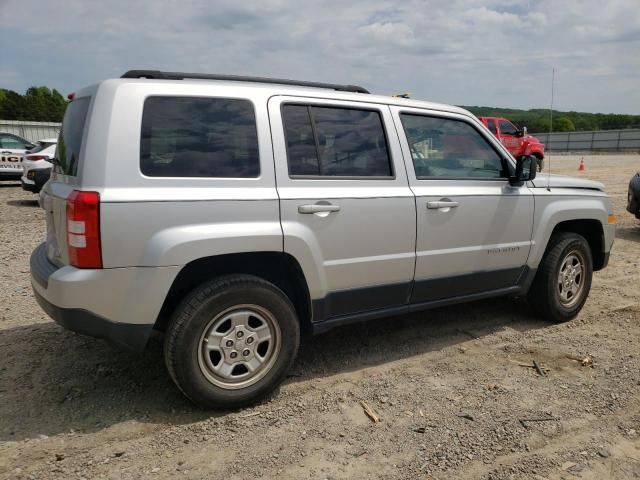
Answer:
[(563, 181), (531, 139)]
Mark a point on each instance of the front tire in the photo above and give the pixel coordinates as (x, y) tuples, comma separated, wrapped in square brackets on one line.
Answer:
[(231, 341), (563, 280)]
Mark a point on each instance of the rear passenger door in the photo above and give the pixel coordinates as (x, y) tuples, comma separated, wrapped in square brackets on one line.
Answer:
[(474, 228), (347, 212)]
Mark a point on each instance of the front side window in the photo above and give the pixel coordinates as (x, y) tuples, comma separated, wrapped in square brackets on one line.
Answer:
[(335, 142), (199, 137), (449, 148), (507, 128)]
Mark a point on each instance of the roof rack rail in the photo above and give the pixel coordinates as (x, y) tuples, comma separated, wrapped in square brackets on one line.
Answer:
[(158, 75)]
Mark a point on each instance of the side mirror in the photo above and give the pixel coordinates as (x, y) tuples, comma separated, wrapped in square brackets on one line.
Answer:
[(525, 131), (519, 133), (526, 169)]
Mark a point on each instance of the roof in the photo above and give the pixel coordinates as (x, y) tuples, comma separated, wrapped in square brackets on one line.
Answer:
[(275, 86)]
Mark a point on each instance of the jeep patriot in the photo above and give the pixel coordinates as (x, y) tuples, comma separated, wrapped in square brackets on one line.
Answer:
[(236, 213)]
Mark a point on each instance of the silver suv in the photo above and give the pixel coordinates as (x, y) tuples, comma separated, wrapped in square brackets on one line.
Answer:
[(234, 213)]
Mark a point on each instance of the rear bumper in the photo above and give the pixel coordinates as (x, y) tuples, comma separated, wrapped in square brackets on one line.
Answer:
[(125, 335), (120, 305), (29, 187), (34, 178)]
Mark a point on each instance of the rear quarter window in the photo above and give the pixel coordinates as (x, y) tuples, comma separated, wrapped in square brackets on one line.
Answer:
[(199, 137), (70, 139)]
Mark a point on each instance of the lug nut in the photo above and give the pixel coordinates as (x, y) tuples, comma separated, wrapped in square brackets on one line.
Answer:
[(250, 340), (229, 343), (246, 352), (240, 334), (233, 354)]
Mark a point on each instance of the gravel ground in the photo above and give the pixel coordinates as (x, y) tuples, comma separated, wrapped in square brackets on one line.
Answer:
[(447, 385)]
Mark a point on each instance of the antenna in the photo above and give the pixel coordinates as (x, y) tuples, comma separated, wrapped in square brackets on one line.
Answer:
[(553, 77)]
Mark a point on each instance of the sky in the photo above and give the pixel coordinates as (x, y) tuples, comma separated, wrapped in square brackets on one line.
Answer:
[(463, 52)]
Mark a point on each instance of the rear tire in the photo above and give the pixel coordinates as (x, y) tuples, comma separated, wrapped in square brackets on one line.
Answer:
[(563, 280), (231, 341)]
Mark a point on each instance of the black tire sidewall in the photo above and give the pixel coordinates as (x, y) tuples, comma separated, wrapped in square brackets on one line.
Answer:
[(555, 310), (183, 339)]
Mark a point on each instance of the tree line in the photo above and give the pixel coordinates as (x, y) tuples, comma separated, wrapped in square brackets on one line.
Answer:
[(537, 120), (41, 104), (38, 104)]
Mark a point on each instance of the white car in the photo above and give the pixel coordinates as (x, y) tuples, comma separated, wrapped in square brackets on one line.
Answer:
[(12, 148), (37, 166)]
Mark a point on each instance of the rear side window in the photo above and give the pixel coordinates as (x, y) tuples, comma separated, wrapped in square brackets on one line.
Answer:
[(199, 137), (335, 142), (70, 139)]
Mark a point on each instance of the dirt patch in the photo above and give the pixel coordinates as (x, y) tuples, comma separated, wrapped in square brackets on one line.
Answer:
[(449, 386)]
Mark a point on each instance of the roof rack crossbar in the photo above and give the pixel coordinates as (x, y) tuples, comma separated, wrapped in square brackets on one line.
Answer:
[(158, 75)]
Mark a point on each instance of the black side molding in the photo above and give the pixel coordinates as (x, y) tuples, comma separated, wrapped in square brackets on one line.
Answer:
[(159, 75), (128, 336)]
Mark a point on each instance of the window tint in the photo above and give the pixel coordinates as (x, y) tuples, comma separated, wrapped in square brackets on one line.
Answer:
[(448, 148), (199, 137), (507, 128), (491, 125), (301, 144), (330, 141), (70, 139)]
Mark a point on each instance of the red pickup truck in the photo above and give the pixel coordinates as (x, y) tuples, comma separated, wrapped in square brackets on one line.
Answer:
[(517, 141)]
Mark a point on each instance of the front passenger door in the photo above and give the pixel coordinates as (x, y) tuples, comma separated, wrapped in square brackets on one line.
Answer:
[(473, 227), (509, 137)]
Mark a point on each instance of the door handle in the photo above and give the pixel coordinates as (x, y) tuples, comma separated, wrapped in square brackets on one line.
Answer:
[(434, 205), (318, 208)]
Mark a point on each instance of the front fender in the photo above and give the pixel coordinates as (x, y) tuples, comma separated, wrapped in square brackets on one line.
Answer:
[(535, 148), (555, 207)]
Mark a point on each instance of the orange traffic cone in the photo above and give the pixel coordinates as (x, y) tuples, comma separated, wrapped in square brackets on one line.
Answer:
[(581, 167)]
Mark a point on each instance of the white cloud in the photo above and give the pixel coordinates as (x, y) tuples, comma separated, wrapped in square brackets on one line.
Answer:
[(494, 52)]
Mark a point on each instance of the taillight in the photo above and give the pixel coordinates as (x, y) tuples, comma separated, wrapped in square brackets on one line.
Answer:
[(36, 157), (83, 229)]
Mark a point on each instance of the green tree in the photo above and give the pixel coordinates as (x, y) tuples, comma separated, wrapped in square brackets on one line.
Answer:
[(11, 105), (537, 120), (38, 104), (563, 124)]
